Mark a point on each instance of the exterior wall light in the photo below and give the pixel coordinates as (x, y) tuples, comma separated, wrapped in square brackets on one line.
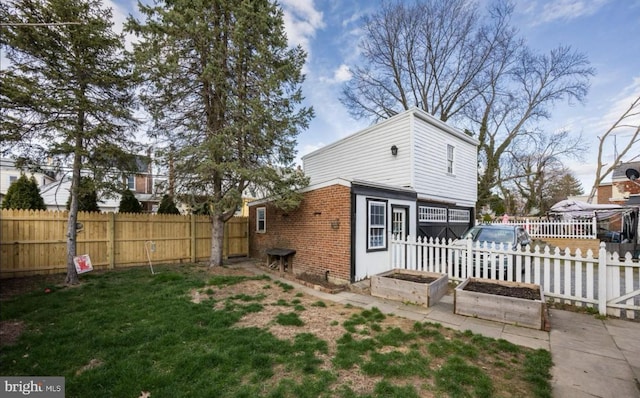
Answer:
[(394, 150)]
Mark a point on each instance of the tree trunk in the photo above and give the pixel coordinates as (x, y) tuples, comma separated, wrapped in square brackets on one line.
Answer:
[(217, 241), (72, 274)]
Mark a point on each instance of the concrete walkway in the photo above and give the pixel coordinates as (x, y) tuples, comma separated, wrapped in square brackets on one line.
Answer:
[(592, 357)]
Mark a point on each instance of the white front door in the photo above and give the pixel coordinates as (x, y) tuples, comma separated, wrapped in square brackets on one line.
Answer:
[(399, 223)]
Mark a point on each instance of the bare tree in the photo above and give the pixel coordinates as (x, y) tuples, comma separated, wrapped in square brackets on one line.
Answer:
[(628, 121), (432, 55), (449, 59), (535, 167)]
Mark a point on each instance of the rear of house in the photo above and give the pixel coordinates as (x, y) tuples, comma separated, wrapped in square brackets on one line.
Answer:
[(408, 175)]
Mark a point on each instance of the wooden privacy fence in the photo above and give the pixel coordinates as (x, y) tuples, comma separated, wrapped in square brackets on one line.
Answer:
[(34, 242)]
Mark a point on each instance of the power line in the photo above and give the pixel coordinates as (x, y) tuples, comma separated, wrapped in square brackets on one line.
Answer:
[(39, 23)]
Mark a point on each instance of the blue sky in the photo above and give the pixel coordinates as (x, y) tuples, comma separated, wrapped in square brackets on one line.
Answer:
[(607, 31)]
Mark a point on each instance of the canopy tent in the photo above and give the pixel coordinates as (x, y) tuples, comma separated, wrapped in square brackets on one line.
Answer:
[(572, 209), (615, 223)]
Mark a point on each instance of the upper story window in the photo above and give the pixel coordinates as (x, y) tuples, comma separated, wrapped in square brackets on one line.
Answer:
[(12, 179), (376, 225), (131, 183), (261, 219), (450, 154)]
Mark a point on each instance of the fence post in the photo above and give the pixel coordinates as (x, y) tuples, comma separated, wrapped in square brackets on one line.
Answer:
[(594, 228), (111, 239), (602, 279), (193, 238)]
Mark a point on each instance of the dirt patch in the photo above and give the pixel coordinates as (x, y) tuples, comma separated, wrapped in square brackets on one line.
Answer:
[(10, 332), (16, 286), (502, 290), (94, 363)]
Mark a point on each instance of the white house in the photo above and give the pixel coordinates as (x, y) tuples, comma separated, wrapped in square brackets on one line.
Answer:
[(410, 174), (9, 174)]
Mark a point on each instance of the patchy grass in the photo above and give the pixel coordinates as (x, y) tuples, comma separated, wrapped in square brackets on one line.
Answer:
[(192, 331)]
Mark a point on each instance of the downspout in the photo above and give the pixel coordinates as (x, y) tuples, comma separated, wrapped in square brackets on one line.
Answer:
[(352, 237)]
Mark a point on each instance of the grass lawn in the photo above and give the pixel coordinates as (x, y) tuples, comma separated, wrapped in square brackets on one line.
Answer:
[(193, 332)]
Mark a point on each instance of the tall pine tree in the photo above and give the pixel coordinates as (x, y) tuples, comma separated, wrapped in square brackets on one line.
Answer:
[(224, 89), (67, 90)]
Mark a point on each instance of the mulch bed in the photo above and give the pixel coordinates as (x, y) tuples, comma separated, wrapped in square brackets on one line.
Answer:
[(502, 290)]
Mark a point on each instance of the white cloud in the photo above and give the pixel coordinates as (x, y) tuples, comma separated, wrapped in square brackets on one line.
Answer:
[(301, 21), (565, 9), (342, 74)]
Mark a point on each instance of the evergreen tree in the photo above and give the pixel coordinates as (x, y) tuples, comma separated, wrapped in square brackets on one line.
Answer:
[(224, 88), (129, 203), (87, 196), (24, 194), (167, 206), (67, 91)]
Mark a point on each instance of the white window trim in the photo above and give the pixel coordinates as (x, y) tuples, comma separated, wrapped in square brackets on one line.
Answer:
[(134, 183), (459, 216), (262, 210), (370, 226), (450, 159), (432, 214)]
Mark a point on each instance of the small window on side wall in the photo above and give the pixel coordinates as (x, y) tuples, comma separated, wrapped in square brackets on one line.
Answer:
[(261, 219), (450, 153)]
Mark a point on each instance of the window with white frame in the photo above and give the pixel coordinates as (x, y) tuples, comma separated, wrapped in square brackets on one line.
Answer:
[(12, 179), (261, 219), (376, 225), (459, 216), (432, 214), (131, 183), (450, 153)]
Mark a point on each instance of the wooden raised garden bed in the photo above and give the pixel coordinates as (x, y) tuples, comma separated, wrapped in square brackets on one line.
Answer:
[(419, 287), (515, 303)]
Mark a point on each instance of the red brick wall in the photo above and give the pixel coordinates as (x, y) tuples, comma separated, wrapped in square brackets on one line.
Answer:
[(319, 230), (604, 194)]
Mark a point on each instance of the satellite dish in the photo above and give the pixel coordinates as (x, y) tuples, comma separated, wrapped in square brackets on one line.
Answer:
[(632, 174)]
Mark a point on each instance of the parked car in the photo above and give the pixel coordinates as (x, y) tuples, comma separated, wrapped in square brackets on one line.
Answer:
[(506, 236)]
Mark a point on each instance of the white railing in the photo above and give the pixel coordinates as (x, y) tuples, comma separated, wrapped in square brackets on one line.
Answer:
[(572, 229), (608, 283)]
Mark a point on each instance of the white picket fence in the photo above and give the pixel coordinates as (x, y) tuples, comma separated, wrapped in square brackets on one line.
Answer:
[(605, 282), (572, 229)]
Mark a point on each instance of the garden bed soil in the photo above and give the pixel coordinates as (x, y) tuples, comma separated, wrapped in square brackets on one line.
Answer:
[(522, 292), (514, 303), (412, 278), (418, 287)]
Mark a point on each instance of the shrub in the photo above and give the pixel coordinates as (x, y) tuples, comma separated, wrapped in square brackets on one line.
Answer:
[(167, 206), (24, 194), (129, 203)]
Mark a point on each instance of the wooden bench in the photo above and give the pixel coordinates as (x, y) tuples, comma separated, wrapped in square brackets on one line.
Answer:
[(284, 257)]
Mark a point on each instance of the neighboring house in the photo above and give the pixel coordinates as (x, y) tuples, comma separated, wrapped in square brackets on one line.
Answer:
[(10, 174), (141, 183), (623, 190), (411, 174)]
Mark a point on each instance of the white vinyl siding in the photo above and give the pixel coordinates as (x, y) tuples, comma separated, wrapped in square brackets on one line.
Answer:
[(366, 155), (432, 180)]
